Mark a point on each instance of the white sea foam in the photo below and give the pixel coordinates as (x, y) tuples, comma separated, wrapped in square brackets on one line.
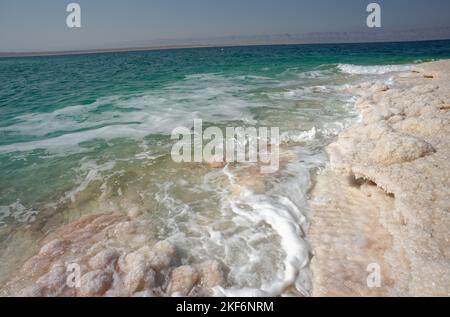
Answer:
[(288, 137), (371, 70), (282, 215), (285, 218), (305, 93), (207, 96), (17, 212)]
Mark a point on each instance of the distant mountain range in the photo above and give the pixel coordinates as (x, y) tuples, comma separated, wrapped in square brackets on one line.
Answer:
[(372, 35)]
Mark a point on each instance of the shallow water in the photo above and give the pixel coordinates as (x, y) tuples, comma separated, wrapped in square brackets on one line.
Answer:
[(91, 134)]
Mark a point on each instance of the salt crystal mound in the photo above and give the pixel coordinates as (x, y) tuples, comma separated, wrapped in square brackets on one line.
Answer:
[(385, 197), (117, 256)]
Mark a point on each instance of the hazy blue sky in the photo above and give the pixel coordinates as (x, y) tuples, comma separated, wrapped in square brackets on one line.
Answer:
[(40, 24)]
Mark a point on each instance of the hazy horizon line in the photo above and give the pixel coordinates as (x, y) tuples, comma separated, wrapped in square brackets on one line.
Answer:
[(312, 38)]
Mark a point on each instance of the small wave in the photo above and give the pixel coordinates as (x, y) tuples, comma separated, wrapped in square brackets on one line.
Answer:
[(372, 70), (310, 74), (315, 74)]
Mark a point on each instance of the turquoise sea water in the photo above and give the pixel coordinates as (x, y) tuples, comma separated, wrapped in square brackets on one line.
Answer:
[(91, 133)]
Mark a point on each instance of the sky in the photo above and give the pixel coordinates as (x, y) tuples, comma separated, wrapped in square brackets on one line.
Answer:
[(40, 25)]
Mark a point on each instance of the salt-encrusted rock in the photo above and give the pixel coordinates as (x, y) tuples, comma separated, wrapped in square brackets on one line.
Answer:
[(393, 214), (95, 283), (32, 291), (140, 239), (116, 257), (425, 126), (139, 279), (54, 247), (367, 88), (104, 258), (379, 87), (371, 116), (50, 284), (158, 257), (376, 130), (210, 274), (36, 266), (54, 282), (162, 255), (395, 119), (397, 148), (183, 280), (127, 230), (133, 260), (424, 89)]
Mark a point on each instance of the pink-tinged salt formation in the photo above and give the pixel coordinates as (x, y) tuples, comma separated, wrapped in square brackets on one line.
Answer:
[(117, 256), (384, 200)]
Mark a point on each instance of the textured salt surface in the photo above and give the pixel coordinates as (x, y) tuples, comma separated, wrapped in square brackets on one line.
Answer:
[(117, 256), (385, 198)]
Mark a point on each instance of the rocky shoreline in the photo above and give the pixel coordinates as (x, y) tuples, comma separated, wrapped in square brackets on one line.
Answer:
[(382, 203), (384, 200)]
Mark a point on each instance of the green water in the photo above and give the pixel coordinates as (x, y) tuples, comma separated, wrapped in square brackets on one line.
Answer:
[(91, 134)]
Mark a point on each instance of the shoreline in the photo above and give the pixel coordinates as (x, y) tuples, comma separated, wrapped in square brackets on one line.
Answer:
[(382, 204), (364, 213), (190, 46)]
